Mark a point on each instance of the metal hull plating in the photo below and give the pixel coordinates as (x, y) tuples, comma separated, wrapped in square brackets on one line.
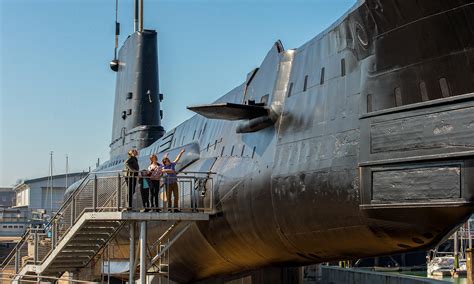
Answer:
[(371, 153)]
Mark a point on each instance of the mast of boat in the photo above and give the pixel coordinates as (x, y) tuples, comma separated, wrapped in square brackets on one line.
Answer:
[(51, 179), (67, 169)]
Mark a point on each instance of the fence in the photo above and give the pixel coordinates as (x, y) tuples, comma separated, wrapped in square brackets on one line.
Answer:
[(109, 191)]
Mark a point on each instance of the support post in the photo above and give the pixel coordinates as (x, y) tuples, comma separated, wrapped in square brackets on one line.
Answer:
[(131, 264), (73, 211), (94, 195), (119, 191), (469, 264), (17, 261), (456, 253), (108, 264), (143, 252), (469, 233), (36, 246), (53, 234)]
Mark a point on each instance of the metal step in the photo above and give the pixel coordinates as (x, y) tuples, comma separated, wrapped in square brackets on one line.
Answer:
[(75, 255), (82, 243), (103, 224), (92, 237), (96, 230)]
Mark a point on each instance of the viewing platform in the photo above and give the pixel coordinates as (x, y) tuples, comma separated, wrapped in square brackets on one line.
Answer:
[(92, 217)]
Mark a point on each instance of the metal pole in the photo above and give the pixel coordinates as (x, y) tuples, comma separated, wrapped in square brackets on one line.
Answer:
[(71, 277), (53, 234), (469, 233), (17, 260), (456, 256), (119, 191), (51, 175), (469, 264), (108, 266), (67, 170), (140, 27), (36, 246), (102, 270), (168, 263), (135, 21), (131, 266), (94, 195), (73, 211), (461, 242), (143, 252)]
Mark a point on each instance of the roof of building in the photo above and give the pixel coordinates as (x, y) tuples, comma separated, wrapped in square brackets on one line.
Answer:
[(70, 175), (6, 189)]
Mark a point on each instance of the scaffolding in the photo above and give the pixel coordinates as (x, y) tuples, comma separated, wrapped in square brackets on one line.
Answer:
[(92, 216)]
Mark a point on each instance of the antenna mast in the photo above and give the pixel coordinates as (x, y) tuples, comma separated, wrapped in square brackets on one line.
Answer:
[(140, 28), (114, 64), (138, 19)]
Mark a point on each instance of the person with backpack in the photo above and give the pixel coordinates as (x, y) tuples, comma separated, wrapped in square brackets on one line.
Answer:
[(155, 170)]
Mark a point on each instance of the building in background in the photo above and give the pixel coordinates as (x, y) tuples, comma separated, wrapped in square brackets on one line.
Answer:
[(43, 195), (7, 197), (28, 204), (13, 222)]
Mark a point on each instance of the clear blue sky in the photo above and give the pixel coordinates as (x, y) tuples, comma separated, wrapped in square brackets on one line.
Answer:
[(57, 91)]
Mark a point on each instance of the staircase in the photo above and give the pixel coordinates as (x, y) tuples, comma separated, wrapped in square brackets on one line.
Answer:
[(91, 217), (83, 241)]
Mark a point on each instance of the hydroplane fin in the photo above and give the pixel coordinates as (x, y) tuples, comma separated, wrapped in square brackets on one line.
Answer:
[(230, 111)]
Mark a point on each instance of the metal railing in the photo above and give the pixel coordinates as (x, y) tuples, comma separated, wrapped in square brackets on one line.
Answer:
[(109, 191)]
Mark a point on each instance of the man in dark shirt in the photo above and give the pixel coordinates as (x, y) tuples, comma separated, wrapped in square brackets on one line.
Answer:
[(131, 172), (171, 181)]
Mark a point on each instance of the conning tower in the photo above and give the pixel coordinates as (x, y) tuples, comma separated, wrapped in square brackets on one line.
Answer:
[(137, 115)]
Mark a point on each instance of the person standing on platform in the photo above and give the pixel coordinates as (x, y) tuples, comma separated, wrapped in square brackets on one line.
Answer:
[(171, 181), (131, 173), (145, 189), (156, 171)]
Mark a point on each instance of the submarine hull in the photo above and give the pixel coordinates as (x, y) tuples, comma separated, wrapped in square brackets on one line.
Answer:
[(371, 153)]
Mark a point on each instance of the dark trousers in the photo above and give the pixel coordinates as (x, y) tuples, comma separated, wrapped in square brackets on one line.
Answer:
[(172, 188), (154, 190), (145, 192), (132, 183)]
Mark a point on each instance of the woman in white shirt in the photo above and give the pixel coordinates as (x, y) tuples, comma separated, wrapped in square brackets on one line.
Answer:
[(155, 170)]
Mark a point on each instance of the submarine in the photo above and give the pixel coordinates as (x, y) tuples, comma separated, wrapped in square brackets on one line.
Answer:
[(358, 143)]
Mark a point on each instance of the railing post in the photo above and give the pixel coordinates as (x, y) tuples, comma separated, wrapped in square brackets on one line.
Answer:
[(192, 189), (73, 211), (17, 260), (131, 262), (36, 246), (53, 234), (119, 191), (94, 195), (143, 249)]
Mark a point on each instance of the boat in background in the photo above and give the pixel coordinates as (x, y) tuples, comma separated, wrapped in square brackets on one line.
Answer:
[(449, 259)]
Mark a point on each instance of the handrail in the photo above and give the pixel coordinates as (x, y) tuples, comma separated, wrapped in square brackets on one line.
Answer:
[(67, 200), (110, 191), (13, 251)]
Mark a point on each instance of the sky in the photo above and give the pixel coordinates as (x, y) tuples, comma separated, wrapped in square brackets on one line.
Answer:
[(57, 90)]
